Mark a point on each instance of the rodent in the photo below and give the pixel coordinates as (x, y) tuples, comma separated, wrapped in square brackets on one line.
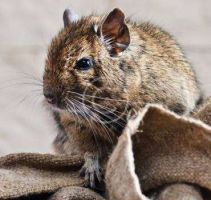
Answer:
[(101, 68)]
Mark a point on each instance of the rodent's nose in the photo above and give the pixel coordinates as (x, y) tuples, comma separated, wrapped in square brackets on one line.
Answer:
[(50, 96)]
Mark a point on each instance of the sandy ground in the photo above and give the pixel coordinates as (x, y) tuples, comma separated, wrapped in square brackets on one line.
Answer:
[(26, 29)]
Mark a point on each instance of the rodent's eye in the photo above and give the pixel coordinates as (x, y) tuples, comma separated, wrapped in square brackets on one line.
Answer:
[(84, 64)]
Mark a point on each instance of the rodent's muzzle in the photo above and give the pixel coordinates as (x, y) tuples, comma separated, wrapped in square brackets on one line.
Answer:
[(51, 96)]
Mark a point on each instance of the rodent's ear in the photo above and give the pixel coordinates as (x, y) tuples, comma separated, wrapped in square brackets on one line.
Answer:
[(115, 32), (69, 16)]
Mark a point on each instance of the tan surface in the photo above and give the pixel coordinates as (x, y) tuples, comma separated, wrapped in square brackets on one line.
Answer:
[(27, 27)]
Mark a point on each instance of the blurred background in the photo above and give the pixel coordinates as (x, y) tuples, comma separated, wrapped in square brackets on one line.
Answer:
[(27, 27)]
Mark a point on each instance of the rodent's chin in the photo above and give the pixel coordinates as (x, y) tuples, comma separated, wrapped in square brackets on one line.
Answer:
[(57, 109), (53, 107)]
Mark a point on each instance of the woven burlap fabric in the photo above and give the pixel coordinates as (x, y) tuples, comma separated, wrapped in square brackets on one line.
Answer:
[(27, 174), (203, 112), (160, 148), (180, 192), (157, 148), (75, 193)]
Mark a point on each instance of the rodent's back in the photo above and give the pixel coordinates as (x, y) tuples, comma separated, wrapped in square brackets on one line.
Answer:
[(166, 75)]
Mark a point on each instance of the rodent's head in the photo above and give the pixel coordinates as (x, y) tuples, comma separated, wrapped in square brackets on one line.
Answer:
[(83, 63)]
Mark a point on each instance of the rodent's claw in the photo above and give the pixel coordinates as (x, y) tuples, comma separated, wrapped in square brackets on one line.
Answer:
[(92, 172), (90, 180)]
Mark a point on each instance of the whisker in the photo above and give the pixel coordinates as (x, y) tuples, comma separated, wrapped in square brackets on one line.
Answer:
[(107, 116), (115, 121), (74, 109), (93, 130), (96, 97), (24, 98), (20, 84), (103, 125), (30, 76), (21, 79), (94, 117), (103, 107)]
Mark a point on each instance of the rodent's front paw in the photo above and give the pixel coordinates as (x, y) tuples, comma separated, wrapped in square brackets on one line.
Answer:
[(91, 171)]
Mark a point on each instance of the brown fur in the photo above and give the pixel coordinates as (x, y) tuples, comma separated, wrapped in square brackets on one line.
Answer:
[(152, 69)]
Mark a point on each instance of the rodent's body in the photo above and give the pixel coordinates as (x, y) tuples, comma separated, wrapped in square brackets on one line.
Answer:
[(151, 69)]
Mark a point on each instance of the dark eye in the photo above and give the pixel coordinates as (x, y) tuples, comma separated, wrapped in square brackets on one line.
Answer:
[(84, 64)]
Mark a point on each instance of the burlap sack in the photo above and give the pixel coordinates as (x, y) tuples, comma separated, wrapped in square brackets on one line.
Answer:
[(75, 193), (157, 148), (203, 112), (29, 174)]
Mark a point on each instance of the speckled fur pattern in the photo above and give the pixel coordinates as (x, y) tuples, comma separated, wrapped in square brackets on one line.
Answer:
[(153, 69)]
